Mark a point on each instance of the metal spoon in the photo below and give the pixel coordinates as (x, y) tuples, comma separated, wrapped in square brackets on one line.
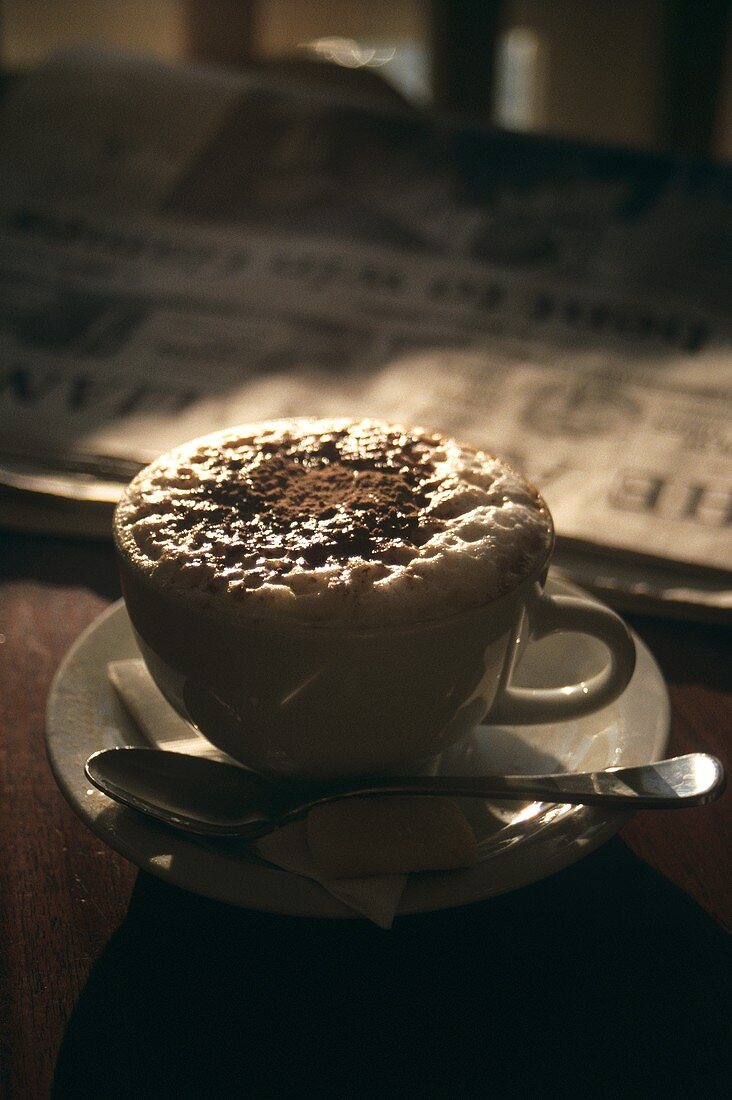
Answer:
[(212, 799)]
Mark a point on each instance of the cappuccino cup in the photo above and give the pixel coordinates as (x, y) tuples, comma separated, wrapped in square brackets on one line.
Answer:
[(331, 598)]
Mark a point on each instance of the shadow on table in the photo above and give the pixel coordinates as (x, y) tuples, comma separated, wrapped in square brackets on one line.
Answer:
[(62, 562), (604, 980), (704, 658)]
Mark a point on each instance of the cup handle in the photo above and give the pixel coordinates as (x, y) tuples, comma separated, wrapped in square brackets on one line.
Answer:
[(555, 614)]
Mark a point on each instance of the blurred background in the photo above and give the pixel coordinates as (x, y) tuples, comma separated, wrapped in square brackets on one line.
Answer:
[(647, 74)]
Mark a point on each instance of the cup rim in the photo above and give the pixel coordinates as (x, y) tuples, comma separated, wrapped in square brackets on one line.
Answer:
[(292, 625)]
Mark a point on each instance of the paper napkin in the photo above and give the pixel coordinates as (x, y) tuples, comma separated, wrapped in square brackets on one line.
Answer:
[(376, 897)]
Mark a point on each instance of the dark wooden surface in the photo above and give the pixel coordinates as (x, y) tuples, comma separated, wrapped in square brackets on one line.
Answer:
[(136, 1002)]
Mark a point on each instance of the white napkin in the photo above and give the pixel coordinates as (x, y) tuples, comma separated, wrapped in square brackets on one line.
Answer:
[(375, 897)]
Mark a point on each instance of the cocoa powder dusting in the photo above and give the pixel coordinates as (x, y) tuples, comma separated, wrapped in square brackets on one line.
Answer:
[(319, 499)]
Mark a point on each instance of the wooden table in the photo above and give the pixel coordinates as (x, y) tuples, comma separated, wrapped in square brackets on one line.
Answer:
[(160, 993)]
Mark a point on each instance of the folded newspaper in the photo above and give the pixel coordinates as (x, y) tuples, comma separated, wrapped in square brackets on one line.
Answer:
[(183, 249)]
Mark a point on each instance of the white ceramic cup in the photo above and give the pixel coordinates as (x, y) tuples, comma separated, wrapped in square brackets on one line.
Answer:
[(300, 700)]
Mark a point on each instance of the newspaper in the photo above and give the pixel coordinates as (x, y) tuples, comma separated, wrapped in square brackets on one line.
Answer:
[(182, 250)]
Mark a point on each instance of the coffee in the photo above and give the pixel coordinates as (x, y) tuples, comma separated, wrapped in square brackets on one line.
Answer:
[(335, 522)]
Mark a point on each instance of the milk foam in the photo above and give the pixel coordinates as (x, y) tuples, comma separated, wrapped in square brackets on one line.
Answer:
[(339, 522)]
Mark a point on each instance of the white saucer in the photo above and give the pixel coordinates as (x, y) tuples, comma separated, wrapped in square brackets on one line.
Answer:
[(518, 843)]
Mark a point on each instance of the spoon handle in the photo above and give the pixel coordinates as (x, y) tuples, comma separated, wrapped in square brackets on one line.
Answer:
[(690, 780)]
